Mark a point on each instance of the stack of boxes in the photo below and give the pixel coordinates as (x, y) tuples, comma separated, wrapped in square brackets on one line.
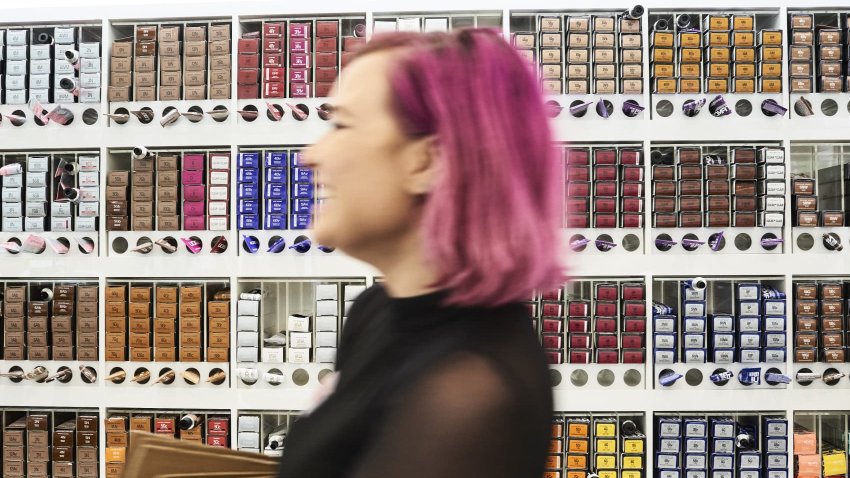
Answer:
[(14, 340), (248, 185), (249, 433), (717, 446), (755, 197), (820, 330), (38, 445), (140, 324), (218, 431), (303, 64), (248, 321), (806, 212), (144, 75), (807, 460), (594, 444), (121, 71), (36, 196), (117, 212), (117, 441), (286, 186), (761, 324), (171, 63), (816, 53), (274, 60), (551, 316), (327, 318), (617, 188), (87, 182), (27, 325), (34, 68), (694, 318), (12, 201), (164, 329), (674, 73), (299, 337), (167, 191), (192, 180), (191, 339), (248, 62), (300, 60), (303, 187), (116, 323), (218, 192), (218, 314)]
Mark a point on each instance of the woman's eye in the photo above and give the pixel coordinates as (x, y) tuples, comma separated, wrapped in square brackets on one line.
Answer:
[(338, 126)]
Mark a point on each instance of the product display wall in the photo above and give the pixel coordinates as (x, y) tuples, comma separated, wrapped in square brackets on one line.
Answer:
[(159, 274)]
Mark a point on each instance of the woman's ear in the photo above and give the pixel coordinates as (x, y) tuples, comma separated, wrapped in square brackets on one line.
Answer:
[(421, 165)]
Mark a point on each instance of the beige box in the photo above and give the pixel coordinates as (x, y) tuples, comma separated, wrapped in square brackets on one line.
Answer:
[(169, 93), (144, 64), (120, 65), (145, 93)]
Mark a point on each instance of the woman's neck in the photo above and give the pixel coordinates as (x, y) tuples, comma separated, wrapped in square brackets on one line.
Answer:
[(404, 267)]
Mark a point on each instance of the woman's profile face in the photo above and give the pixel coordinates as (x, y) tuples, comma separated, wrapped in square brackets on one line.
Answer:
[(366, 166)]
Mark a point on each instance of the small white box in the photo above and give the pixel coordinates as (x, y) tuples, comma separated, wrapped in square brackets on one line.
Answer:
[(248, 307), (90, 65), (217, 208), (59, 51), (88, 178), (351, 291), (300, 356), (300, 340), (326, 292), (62, 96), (16, 97), (219, 162), (218, 223), (11, 194), (61, 209), (15, 67), (42, 96), (16, 181), (749, 324), (249, 439), (16, 82), (40, 67), (2, 37), (15, 53), (34, 224), (62, 35), (326, 323), (409, 24), (89, 80), (33, 180), (90, 50), (436, 24), (37, 164), (62, 67), (246, 354), (326, 354), (383, 26), (247, 339), (774, 171), (88, 209), (89, 194), (36, 209), (86, 224), (60, 224), (89, 163), (325, 339), (327, 307), (219, 178), (249, 423), (39, 52), (13, 224), (36, 194), (247, 323), (218, 193), (16, 37), (298, 323), (12, 209), (272, 354)]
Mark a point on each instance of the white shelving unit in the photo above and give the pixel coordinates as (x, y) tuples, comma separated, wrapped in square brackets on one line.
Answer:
[(646, 263)]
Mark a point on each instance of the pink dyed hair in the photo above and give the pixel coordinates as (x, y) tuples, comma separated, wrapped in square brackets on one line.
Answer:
[(492, 223)]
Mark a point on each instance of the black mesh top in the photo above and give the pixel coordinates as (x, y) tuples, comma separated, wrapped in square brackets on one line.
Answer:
[(428, 391)]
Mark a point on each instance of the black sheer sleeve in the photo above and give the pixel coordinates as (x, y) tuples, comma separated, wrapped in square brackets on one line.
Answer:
[(463, 418)]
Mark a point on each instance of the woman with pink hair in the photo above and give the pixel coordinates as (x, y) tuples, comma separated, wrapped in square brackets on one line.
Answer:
[(439, 172)]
